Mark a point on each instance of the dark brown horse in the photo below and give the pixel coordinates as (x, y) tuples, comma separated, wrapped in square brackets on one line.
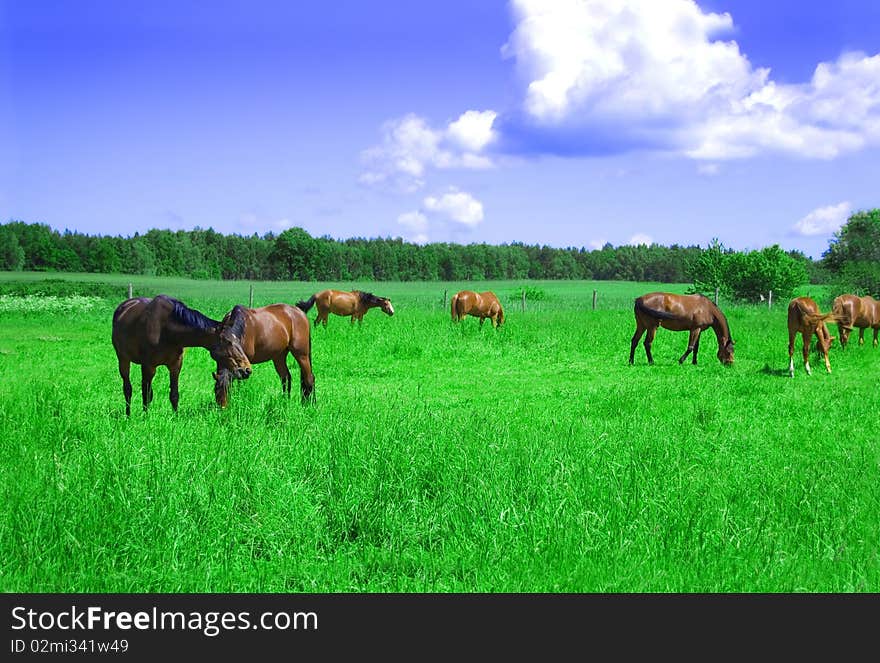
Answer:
[(480, 305), (692, 313), (269, 334), (154, 332), (355, 303), (854, 311), (804, 318)]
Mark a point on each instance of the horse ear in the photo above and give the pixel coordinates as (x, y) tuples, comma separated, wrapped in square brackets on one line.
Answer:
[(214, 375)]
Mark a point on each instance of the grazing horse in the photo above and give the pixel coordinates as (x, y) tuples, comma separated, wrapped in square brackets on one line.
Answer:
[(270, 333), (480, 305), (804, 318), (693, 313), (854, 311), (339, 302), (154, 332)]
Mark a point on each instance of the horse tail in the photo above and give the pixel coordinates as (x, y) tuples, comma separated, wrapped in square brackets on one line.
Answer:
[(819, 318), (304, 306), (663, 315), (454, 307)]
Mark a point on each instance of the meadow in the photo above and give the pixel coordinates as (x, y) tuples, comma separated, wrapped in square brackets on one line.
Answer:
[(437, 457)]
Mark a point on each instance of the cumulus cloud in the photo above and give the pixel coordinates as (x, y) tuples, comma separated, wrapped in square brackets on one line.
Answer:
[(823, 220), (641, 238), (613, 75), (458, 206), (452, 211), (410, 146), (416, 224)]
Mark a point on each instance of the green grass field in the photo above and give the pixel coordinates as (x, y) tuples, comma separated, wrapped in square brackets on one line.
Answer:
[(438, 457)]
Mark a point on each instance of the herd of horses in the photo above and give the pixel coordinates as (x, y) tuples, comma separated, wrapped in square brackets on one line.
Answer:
[(155, 332)]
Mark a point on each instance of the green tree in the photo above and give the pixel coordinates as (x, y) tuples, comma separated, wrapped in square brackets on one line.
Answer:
[(11, 253), (853, 255), (708, 271)]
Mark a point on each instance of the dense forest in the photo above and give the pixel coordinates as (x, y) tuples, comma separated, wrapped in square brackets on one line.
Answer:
[(296, 255)]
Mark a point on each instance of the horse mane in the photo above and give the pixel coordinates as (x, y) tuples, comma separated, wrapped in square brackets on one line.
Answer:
[(235, 321), (189, 316), (368, 298)]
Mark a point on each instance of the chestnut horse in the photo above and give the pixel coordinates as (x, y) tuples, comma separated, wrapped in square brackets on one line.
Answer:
[(269, 334), (154, 332), (804, 318), (854, 311), (480, 305), (692, 313), (339, 302)]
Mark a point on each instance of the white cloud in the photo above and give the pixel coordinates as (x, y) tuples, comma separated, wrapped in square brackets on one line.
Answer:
[(416, 224), (410, 146), (823, 220), (472, 131), (597, 244), (458, 206), (655, 74), (641, 238), (413, 220)]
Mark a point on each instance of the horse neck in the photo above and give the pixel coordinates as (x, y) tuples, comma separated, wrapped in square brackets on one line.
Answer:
[(720, 326), (193, 336)]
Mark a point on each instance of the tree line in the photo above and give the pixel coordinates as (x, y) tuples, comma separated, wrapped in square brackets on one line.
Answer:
[(853, 259)]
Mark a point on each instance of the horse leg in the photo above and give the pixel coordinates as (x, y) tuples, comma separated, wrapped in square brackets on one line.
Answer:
[(792, 334), (649, 341), (635, 341), (692, 340), (306, 376), (696, 349), (125, 373), (823, 343), (283, 373), (174, 375), (147, 374), (807, 336), (876, 332), (861, 335)]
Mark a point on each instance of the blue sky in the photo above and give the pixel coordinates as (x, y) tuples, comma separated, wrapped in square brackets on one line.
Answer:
[(565, 123)]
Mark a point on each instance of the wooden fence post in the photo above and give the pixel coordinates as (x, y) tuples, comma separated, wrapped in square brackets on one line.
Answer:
[(129, 290), (251, 297), (770, 299), (716, 296), (594, 300), (444, 300)]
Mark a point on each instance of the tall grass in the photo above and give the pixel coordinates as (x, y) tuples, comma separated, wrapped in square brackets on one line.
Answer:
[(442, 457)]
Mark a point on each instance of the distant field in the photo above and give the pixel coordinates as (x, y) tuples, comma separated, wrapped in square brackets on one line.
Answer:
[(438, 457)]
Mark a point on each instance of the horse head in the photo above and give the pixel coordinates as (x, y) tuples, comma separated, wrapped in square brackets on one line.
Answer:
[(725, 352), (228, 351), (825, 339), (387, 308)]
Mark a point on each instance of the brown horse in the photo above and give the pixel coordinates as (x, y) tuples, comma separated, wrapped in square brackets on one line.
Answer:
[(269, 334), (692, 313), (154, 332), (480, 305), (854, 311), (804, 318), (355, 303)]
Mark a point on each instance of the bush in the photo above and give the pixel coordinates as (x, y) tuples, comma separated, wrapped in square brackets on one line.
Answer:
[(533, 294), (64, 288)]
